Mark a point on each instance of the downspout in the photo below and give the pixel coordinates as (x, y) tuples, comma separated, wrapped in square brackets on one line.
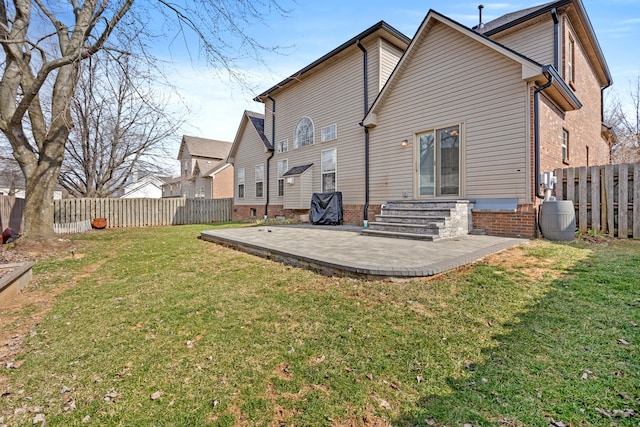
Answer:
[(273, 151), (536, 134), (556, 41), (365, 75)]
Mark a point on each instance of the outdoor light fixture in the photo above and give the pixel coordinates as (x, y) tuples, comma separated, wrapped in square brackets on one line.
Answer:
[(405, 143)]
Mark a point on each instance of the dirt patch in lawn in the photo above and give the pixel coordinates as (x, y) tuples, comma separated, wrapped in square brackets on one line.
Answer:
[(19, 316)]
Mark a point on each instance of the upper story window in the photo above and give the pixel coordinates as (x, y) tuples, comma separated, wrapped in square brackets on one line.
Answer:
[(565, 145), (186, 163), (282, 146), (304, 133), (571, 49), (329, 133)]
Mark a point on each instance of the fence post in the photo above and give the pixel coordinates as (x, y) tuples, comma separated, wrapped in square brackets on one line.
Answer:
[(582, 199), (595, 198), (608, 178), (623, 201)]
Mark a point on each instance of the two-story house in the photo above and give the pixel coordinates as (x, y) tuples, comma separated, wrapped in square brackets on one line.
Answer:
[(456, 113), (204, 171)]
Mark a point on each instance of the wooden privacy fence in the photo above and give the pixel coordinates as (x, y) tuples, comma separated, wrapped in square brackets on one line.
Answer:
[(143, 212), (606, 198), (11, 213)]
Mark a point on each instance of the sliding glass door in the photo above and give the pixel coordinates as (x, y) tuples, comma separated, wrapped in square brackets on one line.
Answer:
[(438, 162)]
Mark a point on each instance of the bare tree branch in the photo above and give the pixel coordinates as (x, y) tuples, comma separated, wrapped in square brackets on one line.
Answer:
[(624, 119)]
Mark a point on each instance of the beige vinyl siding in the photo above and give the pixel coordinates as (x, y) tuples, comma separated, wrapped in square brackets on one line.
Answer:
[(250, 152), (374, 56), (203, 182), (451, 80), (535, 42), (298, 195), (389, 57), (333, 94)]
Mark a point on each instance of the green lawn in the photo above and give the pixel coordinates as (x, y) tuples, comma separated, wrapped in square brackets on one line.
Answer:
[(546, 333)]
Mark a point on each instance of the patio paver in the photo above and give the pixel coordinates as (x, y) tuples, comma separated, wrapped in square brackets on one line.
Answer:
[(343, 251)]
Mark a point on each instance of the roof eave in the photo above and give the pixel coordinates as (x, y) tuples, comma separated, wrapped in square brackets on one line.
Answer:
[(530, 68), (559, 91), (351, 42), (584, 18), (527, 17)]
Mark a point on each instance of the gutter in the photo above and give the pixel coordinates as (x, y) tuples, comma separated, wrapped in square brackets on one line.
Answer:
[(556, 41), (536, 134), (273, 151), (365, 211)]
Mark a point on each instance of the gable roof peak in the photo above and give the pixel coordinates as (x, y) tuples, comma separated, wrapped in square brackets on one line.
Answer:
[(393, 34)]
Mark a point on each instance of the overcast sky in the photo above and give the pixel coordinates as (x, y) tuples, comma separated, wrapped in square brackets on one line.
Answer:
[(313, 28)]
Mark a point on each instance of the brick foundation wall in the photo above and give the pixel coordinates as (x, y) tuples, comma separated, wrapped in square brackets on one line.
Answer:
[(244, 212), (352, 214), (519, 224)]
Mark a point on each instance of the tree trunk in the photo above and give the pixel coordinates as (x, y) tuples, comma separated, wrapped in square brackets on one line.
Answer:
[(38, 212), (41, 170)]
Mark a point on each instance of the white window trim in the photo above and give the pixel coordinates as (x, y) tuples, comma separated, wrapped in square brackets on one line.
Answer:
[(284, 143), (565, 145), (335, 171), (334, 133), (461, 158), (241, 182), (281, 178), (571, 60), (296, 144), (256, 181)]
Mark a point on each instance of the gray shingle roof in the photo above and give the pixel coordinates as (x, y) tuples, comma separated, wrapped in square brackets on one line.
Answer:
[(257, 120), (512, 18), (203, 147), (297, 170)]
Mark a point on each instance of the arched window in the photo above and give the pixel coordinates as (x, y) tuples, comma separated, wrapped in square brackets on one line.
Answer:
[(304, 133)]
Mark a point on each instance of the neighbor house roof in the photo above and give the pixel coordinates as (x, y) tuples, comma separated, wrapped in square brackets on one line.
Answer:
[(208, 167), (387, 31), (203, 147), (579, 19)]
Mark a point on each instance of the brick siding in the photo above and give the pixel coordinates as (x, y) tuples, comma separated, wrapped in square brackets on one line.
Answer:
[(520, 224)]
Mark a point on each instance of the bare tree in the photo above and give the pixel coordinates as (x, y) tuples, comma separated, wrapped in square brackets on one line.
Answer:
[(624, 118), (44, 42), (122, 126)]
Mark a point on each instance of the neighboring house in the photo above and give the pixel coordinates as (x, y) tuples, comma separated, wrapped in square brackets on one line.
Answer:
[(204, 171), (455, 113), (147, 187), (17, 189)]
